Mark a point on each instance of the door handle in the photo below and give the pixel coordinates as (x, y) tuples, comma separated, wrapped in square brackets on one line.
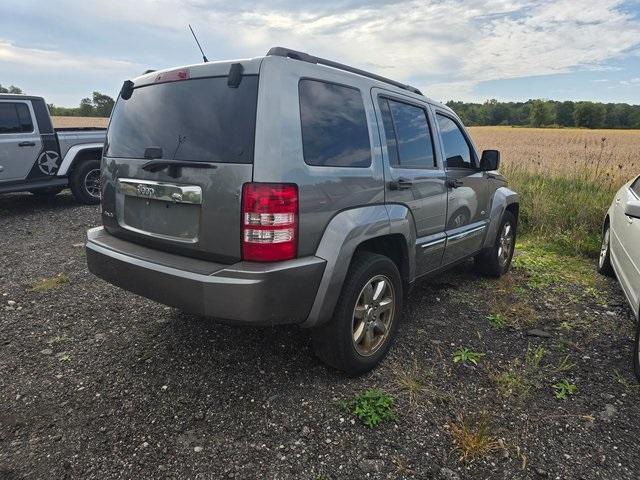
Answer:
[(27, 144), (401, 184), (454, 183), (617, 201)]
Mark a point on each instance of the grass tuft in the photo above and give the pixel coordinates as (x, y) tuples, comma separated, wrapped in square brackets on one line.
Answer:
[(473, 439), (50, 283)]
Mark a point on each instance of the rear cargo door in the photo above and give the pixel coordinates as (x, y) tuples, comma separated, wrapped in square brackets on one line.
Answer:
[(177, 154)]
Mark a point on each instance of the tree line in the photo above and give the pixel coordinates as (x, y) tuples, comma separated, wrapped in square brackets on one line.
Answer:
[(549, 113), (534, 113), (99, 105)]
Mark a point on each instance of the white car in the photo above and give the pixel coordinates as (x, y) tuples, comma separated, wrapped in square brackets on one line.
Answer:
[(620, 252)]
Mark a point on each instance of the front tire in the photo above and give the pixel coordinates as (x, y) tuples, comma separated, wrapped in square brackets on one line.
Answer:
[(85, 182), (496, 260), (365, 321), (604, 261)]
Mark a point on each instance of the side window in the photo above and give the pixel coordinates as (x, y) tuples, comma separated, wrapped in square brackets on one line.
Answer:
[(15, 118), (26, 125), (334, 125), (456, 149), (409, 140), (9, 122)]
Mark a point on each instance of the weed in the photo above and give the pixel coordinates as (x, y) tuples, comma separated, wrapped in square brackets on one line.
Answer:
[(619, 378), (414, 382), (465, 356), (50, 283), (522, 374), (372, 407), (410, 381), (564, 365), (402, 466), (473, 439), (497, 320), (64, 357), (563, 389)]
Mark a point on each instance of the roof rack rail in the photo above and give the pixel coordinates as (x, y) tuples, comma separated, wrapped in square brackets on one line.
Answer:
[(305, 57)]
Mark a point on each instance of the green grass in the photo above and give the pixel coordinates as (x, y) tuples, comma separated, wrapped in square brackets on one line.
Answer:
[(521, 375), (372, 407), (497, 320), (546, 268), (49, 283), (564, 213)]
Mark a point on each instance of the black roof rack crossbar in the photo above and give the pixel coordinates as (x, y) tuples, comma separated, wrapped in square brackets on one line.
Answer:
[(305, 57)]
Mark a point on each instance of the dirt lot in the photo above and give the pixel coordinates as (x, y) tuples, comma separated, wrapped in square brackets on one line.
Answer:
[(99, 383)]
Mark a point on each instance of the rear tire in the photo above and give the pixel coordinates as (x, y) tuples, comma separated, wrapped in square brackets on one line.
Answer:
[(85, 182), (495, 261), (604, 261), (366, 318)]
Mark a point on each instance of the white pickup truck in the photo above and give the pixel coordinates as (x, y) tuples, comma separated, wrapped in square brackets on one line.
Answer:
[(36, 158)]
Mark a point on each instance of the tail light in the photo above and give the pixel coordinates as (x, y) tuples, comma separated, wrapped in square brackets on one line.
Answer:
[(269, 222)]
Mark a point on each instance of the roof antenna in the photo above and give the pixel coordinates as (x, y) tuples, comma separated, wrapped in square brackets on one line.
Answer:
[(204, 57)]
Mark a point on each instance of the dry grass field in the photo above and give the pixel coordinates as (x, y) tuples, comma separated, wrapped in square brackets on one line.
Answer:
[(566, 177), (611, 156), (75, 122)]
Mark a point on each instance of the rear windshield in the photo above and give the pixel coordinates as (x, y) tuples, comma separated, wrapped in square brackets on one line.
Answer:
[(201, 119)]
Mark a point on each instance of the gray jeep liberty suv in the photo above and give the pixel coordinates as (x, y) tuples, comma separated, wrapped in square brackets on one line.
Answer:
[(290, 189)]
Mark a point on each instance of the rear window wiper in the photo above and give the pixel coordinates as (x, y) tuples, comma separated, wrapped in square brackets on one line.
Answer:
[(174, 166)]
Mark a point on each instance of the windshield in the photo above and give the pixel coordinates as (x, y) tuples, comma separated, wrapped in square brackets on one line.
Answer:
[(202, 119)]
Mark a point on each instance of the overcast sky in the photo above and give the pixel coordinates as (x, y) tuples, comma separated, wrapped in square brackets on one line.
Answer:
[(450, 49)]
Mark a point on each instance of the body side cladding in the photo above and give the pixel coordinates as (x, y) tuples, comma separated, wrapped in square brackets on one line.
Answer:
[(502, 198), (349, 229), (73, 152)]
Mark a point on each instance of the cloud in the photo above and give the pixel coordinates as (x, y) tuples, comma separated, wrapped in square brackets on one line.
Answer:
[(51, 59), (445, 47), (631, 82)]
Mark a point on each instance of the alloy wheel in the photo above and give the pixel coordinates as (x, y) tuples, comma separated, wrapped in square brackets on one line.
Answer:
[(92, 183), (505, 244), (373, 315)]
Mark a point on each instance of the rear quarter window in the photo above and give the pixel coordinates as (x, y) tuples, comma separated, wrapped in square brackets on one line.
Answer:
[(334, 125)]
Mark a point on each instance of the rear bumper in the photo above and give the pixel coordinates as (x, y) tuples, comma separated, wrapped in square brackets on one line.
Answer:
[(246, 292)]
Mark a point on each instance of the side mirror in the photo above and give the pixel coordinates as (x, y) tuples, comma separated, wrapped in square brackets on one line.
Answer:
[(490, 160), (632, 209)]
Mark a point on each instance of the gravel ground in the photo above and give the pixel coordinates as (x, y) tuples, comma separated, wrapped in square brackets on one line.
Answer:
[(99, 383)]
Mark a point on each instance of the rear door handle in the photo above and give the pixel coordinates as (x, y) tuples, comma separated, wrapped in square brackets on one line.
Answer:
[(454, 183), (617, 201), (27, 144), (401, 184)]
